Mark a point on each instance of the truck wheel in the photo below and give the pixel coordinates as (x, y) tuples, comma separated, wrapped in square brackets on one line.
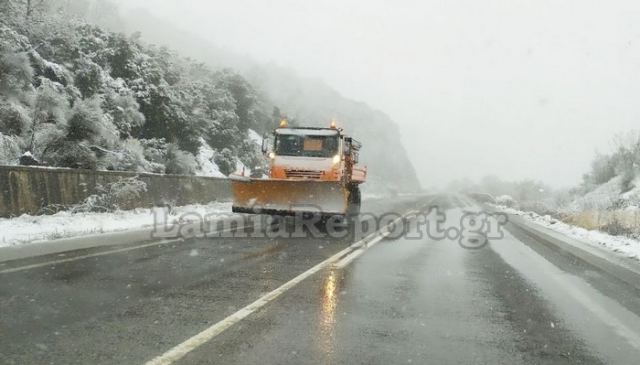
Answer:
[(355, 200)]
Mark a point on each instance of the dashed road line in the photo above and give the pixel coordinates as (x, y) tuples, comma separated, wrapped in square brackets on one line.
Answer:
[(103, 253), (77, 258), (179, 351)]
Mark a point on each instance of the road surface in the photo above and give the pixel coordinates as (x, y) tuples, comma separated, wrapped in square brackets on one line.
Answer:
[(291, 301)]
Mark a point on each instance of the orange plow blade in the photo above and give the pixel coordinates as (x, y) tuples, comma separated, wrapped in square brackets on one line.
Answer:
[(286, 197)]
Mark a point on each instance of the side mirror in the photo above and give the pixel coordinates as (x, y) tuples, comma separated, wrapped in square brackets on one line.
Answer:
[(265, 145)]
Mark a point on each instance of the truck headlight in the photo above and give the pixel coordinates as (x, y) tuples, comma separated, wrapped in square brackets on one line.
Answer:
[(272, 155), (336, 159)]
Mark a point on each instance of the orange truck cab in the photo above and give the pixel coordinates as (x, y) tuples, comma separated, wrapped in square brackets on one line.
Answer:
[(310, 170)]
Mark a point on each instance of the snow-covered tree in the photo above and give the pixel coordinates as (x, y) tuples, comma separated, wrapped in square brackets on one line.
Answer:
[(128, 157), (226, 161), (179, 162), (88, 77), (14, 117), (16, 74), (73, 154), (87, 122), (244, 95), (49, 112), (9, 149), (125, 113)]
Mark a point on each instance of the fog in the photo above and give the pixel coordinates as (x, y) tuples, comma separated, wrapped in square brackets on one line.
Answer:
[(519, 89)]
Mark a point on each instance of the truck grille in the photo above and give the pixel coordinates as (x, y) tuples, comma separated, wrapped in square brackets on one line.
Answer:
[(303, 174)]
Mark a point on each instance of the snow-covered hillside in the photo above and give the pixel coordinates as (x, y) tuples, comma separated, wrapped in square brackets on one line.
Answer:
[(602, 197), (75, 95)]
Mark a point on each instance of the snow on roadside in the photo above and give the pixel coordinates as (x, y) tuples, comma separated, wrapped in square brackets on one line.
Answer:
[(620, 245), (28, 229)]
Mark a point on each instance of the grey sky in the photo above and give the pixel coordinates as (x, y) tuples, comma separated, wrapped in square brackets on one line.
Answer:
[(515, 88)]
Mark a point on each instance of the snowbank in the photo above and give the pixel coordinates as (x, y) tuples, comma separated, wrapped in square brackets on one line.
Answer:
[(27, 229), (624, 246)]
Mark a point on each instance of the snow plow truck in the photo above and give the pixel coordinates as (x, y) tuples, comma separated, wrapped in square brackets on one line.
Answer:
[(311, 171)]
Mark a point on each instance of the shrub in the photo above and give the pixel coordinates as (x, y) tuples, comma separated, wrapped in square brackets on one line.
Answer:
[(615, 227), (226, 161), (603, 169), (72, 154), (506, 200), (14, 118), (180, 162), (124, 111), (130, 157), (155, 151), (122, 194), (15, 73), (88, 77), (86, 121), (250, 155)]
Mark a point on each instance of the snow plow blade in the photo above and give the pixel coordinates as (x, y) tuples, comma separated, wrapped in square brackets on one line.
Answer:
[(289, 197)]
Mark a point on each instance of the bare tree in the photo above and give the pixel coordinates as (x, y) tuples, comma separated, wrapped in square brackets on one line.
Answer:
[(29, 10), (31, 6)]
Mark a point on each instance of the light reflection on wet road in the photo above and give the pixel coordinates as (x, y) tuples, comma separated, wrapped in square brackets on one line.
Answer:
[(327, 315)]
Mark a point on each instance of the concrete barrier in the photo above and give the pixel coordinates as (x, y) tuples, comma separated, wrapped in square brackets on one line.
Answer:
[(31, 190)]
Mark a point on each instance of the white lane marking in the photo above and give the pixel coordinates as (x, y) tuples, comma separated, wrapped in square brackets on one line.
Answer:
[(632, 337), (345, 261), (196, 341), (537, 268), (76, 258), (104, 253), (579, 295)]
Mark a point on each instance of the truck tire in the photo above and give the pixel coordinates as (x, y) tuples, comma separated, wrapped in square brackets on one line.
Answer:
[(355, 201)]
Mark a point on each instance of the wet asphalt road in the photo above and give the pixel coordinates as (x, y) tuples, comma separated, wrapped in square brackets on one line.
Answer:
[(421, 301)]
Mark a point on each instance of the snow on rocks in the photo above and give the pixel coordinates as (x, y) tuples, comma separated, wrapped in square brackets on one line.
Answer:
[(207, 167), (505, 200), (255, 137)]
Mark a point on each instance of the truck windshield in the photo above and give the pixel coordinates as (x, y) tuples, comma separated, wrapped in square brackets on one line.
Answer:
[(306, 146)]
